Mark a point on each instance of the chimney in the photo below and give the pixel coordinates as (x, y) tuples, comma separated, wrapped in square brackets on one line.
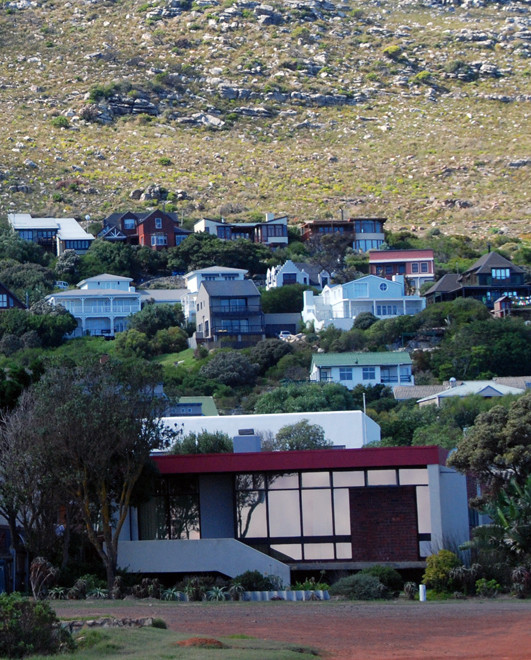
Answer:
[(246, 441), (269, 216)]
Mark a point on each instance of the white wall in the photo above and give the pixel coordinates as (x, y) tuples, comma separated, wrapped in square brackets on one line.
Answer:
[(349, 428), (448, 508)]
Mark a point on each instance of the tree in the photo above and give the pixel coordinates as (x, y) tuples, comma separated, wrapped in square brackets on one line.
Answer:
[(27, 278), (230, 368), (364, 320), (67, 265), (152, 318), (301, 435), (268, 352), (98, 424), (284, 299), (204, 443), (309, 397), (497, 448)]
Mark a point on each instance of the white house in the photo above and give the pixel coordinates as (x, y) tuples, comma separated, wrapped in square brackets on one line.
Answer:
[(488, 389), (344, 428), (340, 304), (100, 304), (194, 278), (292, 272), (351, 369), (56, 234)]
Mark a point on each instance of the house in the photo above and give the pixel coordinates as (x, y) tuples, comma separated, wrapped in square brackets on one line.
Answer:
[(193, 406), (489, 278), (367, 233), (349, 429), (100, 304), (278, 512), (194, 278), (163, 296), (402, 393), (157, 229), (8, 300), (488, 389), (417, 266), (229, 312), (351, 369), (273, 232), (296, 272), (339, 305), (53, 234)]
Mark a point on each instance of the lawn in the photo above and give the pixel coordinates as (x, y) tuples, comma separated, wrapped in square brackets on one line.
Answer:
[(154, 643)]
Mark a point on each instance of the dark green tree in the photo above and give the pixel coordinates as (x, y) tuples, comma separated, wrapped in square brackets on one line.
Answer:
[(268, 352), (230, 368), (283, 299), (301, 435), (308, 397), (204, 442), (152, 318)]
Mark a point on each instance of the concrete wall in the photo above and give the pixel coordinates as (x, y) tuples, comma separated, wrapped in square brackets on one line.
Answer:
[(448, 508), (226, 556), (349, 428)]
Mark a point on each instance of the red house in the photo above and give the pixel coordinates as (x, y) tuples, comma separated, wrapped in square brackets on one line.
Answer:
[(156, 229), (417, 266)]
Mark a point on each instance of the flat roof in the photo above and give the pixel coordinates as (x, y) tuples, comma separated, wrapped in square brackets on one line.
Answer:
[(289, 461)]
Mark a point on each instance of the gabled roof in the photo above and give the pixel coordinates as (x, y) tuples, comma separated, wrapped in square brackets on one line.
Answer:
[(232, 289), (4, 289), (312, 270), (486, 388), (112, 232), (105, 277), (361, 359), (492, 260), (447, 283), (405, 392)]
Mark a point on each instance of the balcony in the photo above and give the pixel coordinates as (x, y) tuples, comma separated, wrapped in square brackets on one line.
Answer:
[(222, 310)]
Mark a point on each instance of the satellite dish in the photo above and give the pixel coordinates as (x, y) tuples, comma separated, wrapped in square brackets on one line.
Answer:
[(87, 217)]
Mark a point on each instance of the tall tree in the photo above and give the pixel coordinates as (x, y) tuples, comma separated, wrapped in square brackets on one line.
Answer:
[(99, 424), (497, 448)]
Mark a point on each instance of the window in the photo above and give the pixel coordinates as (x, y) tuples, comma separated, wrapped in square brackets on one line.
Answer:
[(369, 373), (501, 273), (159, 239), (401, 269), (3, 299), (383, 286), (345, 373), (158, 223), (129, 223), (414, 268), (424, 267), (289, 278), (389, 270)]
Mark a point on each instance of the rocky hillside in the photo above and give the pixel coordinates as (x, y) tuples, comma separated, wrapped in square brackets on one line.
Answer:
[(418, 111)]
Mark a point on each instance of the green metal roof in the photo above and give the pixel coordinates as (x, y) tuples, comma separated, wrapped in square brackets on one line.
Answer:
[(208, 406), (363, 359)]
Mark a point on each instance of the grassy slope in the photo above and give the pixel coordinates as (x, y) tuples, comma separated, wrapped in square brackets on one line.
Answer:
[(399, 154)]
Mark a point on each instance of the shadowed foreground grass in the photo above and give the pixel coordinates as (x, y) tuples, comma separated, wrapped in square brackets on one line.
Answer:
[(153, 643)]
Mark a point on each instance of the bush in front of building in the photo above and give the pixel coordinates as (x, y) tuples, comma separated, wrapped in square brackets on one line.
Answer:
[(28, 628), (360, 586), (438, 571), (254, 581), (387, 576)]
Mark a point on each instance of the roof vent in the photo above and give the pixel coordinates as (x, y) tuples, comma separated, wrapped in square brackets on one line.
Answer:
[(453, 382)]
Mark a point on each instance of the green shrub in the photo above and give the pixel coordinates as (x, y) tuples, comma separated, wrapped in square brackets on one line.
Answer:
[(60, 122), (254, 581), (393, 52), (28, 627), (387, 576), (159, 623), (438, 568), (165, 161), (487, 588), (360, 586), (422, 77)]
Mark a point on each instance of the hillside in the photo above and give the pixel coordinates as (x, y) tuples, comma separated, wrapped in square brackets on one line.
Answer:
[(416, 111)]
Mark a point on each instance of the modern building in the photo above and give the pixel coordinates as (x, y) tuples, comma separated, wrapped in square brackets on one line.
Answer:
[(367, 233), (275, 512), (349, 429), (157, 229), (194, 278), (339, 305), (53, 234), (489, 278), (229, 313), (273, 232), (351, 369), (417, 266), (296, 272), (100, 304)]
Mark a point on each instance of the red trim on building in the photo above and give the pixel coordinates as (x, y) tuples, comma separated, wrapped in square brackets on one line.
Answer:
[(322, 459)]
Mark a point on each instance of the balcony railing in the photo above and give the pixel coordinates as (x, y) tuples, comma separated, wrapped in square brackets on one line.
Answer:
[(248, 309)]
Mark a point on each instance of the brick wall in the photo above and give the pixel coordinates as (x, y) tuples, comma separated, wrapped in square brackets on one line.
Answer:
[(384, 523)]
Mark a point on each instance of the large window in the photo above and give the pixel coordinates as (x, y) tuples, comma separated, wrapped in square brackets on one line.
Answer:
[(3, 299), (501, 273), (129, 223), (159, 239), (174, 511)]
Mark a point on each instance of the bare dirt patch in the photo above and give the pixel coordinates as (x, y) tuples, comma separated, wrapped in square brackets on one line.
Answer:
[(349, 630)]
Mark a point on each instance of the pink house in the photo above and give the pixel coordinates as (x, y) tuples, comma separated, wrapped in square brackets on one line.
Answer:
[(417, 266)]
